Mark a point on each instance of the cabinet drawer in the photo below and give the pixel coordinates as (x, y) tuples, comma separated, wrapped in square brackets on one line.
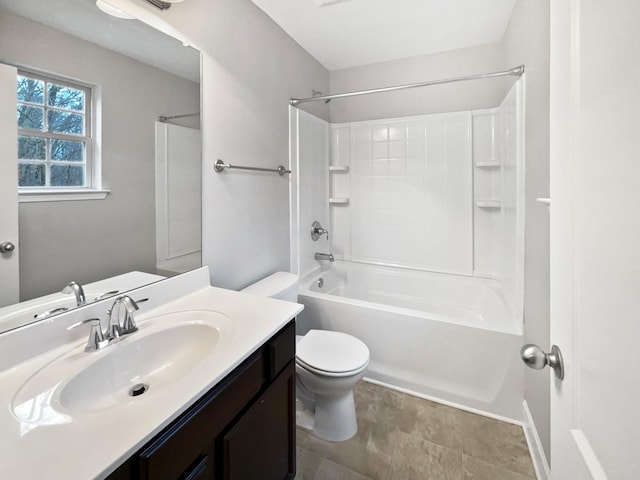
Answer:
[(282, 349), (176, 450)]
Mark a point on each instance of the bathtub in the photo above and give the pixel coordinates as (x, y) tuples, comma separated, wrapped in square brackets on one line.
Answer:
[(444, 337)]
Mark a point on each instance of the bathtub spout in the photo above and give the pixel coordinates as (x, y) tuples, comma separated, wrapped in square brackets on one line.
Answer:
[(323, 256)]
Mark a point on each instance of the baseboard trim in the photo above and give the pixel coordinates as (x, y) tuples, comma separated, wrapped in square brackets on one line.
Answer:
[(448, 403), (540, 463)]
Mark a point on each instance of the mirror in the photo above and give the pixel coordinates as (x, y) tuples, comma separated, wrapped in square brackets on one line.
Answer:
[(149, 221)]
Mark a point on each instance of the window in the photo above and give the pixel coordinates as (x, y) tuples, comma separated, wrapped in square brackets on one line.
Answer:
[(55, 135)]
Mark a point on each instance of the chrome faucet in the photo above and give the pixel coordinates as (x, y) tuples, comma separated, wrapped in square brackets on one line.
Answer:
[(115, 329), (323, 256), (317, 231), (76, 289)]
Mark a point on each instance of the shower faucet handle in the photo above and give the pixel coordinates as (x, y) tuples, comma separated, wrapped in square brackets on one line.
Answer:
[(317, 231)]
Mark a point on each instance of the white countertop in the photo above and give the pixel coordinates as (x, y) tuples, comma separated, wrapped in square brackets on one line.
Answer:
[(53, 444)]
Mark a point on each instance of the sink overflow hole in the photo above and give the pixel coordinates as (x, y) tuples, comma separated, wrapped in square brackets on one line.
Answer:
[(138, 389)]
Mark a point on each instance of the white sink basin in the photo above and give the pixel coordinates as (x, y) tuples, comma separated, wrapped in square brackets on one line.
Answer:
[(164, 351)]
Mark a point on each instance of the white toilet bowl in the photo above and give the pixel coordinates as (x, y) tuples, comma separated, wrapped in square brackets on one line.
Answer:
[(328, 366)]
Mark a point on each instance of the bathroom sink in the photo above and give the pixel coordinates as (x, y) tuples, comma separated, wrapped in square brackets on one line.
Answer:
[(165, 350)]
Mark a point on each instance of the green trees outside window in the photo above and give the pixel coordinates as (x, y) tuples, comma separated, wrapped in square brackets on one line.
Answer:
[(53, 132)]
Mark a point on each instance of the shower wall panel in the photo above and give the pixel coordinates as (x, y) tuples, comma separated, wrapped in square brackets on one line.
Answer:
[(410, 192), (511, 258), (310, 155), (499, 196)]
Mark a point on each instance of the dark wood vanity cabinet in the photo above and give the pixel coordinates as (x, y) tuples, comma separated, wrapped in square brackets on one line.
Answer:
[(255, 446), (242, 429)]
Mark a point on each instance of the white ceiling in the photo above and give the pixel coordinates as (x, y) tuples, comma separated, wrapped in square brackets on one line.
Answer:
[(347, 33), (81, 18)]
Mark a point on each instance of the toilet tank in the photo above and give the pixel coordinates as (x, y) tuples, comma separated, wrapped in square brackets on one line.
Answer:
[(282, 285)]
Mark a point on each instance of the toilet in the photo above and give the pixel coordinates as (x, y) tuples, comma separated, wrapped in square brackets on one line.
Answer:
[(328, 366)]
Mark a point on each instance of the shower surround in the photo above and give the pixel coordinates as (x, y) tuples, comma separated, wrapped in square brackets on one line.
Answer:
[(425, 217)]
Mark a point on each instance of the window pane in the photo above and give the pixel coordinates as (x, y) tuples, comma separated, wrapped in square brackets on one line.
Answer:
[(31, 148), (64, 122), (30, 117), (30, 90), (67, 176), (31, 175), (67, 150), (65, 97)]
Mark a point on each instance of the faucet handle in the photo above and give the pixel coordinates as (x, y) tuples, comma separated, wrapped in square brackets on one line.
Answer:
[(96, 339), (129, 324), (49, 313), (104, 295), (317, 231)]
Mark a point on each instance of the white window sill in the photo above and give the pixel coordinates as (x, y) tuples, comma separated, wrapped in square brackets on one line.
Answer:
[(26, 196)]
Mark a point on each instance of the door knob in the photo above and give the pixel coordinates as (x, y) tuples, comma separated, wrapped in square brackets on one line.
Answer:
[(7, 247), (534, 357)]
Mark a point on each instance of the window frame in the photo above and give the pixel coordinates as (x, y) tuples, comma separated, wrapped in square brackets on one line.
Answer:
[(92, 188)]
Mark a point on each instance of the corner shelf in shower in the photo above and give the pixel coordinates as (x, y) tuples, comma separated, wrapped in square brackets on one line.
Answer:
[(339, 201), (338, 168), (488, 203)]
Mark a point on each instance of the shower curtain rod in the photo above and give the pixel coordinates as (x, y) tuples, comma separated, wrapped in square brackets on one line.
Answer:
[(162, 118), (516, 71)]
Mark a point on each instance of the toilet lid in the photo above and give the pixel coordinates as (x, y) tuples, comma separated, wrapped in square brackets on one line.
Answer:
[(329, 351)]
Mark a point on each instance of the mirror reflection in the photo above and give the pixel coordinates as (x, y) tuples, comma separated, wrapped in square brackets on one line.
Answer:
[(107, 160)]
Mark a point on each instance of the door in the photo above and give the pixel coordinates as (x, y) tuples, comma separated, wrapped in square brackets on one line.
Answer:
[(9, 273), (595, 238)]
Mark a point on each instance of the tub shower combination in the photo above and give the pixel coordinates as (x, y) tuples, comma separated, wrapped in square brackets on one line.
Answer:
[(446, 337), (428, 269)]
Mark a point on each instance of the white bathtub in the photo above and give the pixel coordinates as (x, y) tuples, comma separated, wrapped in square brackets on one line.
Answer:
[(446, 337)]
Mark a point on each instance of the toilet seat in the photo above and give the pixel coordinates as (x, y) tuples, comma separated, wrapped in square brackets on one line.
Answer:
[(325, 373), (333, 354)]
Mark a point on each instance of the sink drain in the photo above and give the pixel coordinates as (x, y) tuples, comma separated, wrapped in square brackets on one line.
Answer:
[(138, 389)]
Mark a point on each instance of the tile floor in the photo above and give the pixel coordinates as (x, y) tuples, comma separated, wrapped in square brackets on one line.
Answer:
[(401, 437)]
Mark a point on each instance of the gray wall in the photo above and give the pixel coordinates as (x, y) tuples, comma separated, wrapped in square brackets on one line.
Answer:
[(250, 69), (437, 99), (89, 240), (527, 41)]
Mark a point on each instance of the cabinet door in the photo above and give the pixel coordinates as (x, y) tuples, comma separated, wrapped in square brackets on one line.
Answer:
[(175, 452), (261, 445), (202, 468)]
